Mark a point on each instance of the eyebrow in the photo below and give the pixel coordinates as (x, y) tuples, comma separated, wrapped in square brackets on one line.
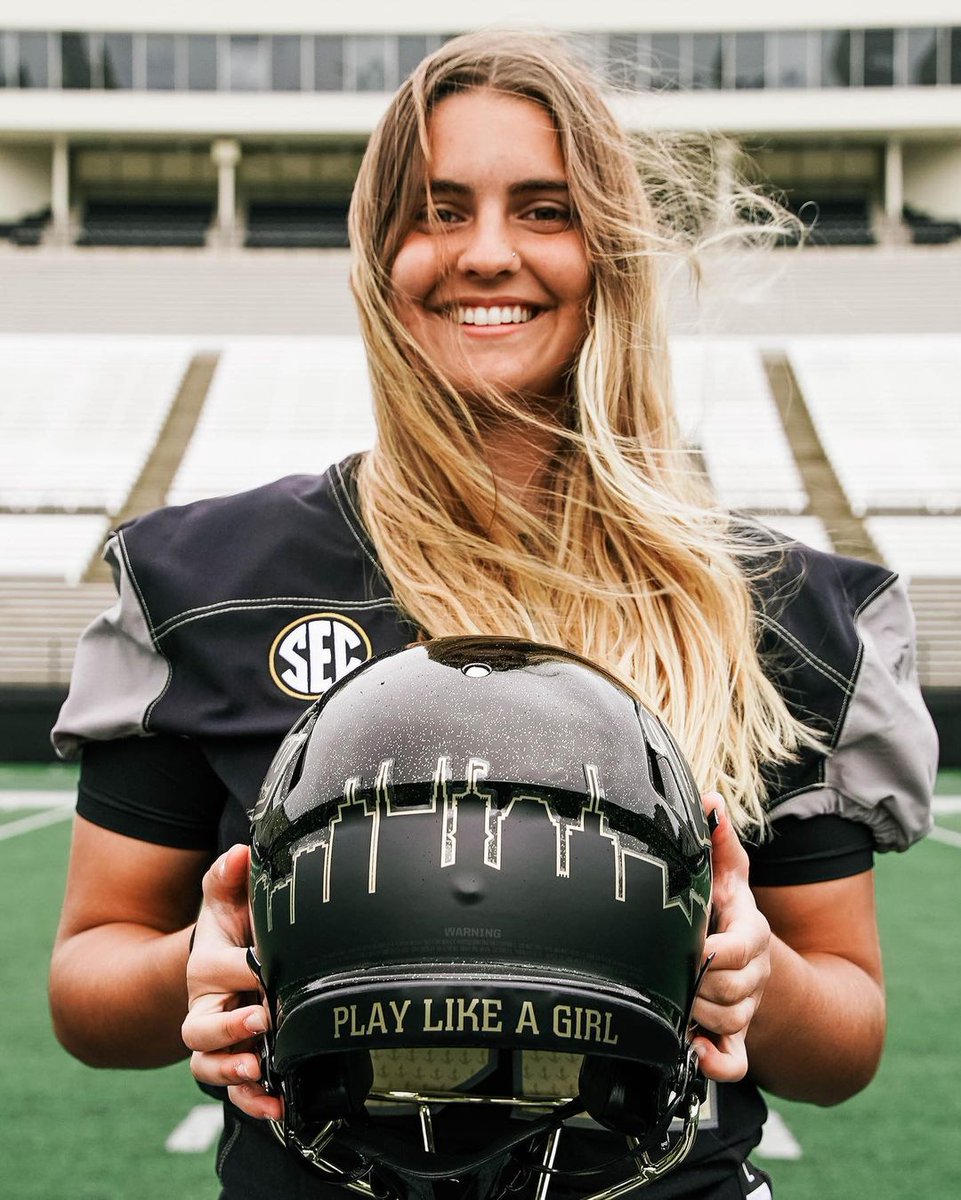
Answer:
[(448, 187)]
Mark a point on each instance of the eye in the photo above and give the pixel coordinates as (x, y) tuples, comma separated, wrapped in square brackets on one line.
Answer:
[(439, 215), (558, 215)]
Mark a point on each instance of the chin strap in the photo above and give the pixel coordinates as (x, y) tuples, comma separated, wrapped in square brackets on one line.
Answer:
[(380, 1166)]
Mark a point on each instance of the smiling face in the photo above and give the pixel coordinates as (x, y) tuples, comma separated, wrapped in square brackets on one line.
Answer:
[(494, 290)]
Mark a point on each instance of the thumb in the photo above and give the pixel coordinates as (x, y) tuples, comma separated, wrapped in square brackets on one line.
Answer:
[(225, 885), (729, 861)]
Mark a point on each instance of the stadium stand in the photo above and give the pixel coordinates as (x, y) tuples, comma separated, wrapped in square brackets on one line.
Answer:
[(809, 530), (277, 406), (836, 222), (887, 413), (40, 622), (126, 224), (49, 545), (928, 231), (28, 230), (292, 226), (925, 550), (80, 415), (919, 546), (727, 411)]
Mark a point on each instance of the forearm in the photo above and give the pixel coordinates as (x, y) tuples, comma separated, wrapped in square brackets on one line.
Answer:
[(819, 1031), (118, 995)]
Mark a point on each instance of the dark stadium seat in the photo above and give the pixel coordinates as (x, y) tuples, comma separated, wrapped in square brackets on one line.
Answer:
[(837, 223), (28, 230), (289, 226), (118, 224), (927, 231)]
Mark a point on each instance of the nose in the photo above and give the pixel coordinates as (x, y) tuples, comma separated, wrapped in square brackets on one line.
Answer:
[(487, 251)]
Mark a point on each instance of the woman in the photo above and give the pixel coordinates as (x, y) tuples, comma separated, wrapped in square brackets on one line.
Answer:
[(527, 480)]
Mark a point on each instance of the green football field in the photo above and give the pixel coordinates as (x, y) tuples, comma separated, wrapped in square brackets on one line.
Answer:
[(72, 1133)]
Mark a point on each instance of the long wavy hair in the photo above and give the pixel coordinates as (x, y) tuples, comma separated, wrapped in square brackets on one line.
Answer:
[(626, 558)]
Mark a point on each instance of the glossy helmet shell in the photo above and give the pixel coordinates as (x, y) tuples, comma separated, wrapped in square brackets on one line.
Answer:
[(479, 842)]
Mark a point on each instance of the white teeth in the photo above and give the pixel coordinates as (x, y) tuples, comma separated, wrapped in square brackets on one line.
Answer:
[(495, 315)]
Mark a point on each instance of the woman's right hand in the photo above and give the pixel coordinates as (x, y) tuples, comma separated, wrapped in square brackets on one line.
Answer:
[(225, 1018)]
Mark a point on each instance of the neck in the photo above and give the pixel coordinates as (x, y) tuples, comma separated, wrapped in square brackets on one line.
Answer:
[(519, 457)]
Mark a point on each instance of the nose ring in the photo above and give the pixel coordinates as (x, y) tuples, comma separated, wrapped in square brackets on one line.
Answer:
[(513, 254)]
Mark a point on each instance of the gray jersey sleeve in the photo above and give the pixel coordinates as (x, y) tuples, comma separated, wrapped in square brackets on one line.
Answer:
[(118, 673), (882, 768)]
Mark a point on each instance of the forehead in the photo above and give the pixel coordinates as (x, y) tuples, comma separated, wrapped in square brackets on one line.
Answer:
[(483, 134)]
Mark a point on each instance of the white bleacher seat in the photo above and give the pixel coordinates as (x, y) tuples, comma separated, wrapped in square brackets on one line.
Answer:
[(809, 530), (919, 546), (726, 409), (55, 547), (888, 412), (80, 415), (277, 406)]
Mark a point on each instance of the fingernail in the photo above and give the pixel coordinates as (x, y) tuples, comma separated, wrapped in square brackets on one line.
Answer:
[(256, 1023), (713, 820), (241, 1070)]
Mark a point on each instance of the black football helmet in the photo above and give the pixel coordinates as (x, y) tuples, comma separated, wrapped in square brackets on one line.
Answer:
[(480, 882)]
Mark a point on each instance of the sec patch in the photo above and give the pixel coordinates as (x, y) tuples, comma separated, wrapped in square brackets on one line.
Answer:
[(310, 654)]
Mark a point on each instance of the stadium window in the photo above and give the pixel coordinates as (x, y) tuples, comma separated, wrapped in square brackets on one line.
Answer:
[(665, 61), (622, 60), (328, 63), (790, 65), (247, 64), (954, 75), (922, 57), (33, 60), (879, 58), (706, 61), (411, 48), (202, 62), (161, 62), (285, 63), (117, 60), (75, 72), (836, 58), (749, 60), (370, 63)]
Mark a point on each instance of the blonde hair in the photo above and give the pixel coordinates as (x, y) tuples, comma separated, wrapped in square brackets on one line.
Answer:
[(629, 562)]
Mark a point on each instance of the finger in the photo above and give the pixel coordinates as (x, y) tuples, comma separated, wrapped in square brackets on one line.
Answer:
[(225, 1067), (724, 1019), (225, 883), (728, 856), (255, 1102), (742, 943), (220, 970), (209, 1031), (724, 1061)]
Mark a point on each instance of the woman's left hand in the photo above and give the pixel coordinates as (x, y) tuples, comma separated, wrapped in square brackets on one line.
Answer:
[(740, 944)]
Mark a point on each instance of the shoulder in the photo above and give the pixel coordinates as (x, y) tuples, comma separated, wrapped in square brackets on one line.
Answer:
[(813, 601), (246, 546), (836, 638)]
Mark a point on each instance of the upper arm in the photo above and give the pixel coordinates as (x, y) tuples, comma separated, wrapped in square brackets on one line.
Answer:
[(836, 917), (117, 879)]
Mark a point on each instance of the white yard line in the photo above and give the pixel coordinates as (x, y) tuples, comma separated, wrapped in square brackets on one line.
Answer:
[(777, 1141), (198, 1131), (35, 799), (947, 804), (948, 836), (47, 816)]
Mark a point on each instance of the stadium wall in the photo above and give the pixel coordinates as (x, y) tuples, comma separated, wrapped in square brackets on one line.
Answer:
[(25, 180)]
